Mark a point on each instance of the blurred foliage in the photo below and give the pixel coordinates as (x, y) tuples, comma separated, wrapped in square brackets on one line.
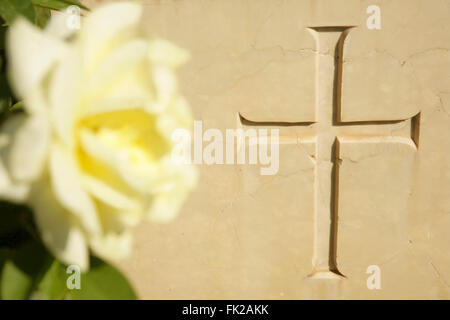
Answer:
[(27, 269), (36, 11), (102, 282), (57, 4)]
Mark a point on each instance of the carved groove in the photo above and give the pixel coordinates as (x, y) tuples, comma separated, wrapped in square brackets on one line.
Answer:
[(330, 270), (246, 122)]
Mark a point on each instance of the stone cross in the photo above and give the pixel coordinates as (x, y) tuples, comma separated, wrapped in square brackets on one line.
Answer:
[(328, 132)]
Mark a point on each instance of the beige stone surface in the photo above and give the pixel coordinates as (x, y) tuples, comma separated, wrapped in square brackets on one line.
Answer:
[(364, 117)]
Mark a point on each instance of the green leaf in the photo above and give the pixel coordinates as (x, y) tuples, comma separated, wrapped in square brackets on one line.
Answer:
[(17, 107), (15, 284), (53, 284), (21, 270), (4, 105), (16, 225), (28, 270), (57, 4), (42, 16), (2, 36), (103, 282), (51, 4), (10, 9), (76, 3), (22, 257), (5, 93)]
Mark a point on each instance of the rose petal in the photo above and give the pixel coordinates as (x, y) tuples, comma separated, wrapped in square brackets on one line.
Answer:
[(105, 27), (166, 87), (30, 55), (64, 93), (9, 190), (169, 200), (29, 149), (117, 63), (166, 53), (58, 228), (108, 195), (68, 189), (113, 246), (138, 176)]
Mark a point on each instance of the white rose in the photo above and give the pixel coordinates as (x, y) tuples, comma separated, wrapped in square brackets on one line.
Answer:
[(91, 154)]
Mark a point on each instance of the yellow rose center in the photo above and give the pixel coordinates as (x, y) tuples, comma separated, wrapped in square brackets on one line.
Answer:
[(111, 142)]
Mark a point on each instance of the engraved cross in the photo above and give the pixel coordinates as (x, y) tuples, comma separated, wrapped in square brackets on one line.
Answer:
[(328, 132)]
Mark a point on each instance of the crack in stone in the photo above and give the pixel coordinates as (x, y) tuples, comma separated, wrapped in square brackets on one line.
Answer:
[(438, 274), (400, 61)]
